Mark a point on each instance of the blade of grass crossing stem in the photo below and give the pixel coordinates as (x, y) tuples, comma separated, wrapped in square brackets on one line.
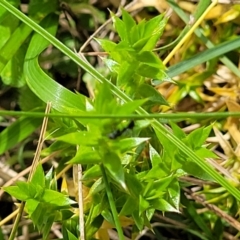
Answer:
[(87, 67), (199, 33), (196, 24), (201, 7), (204, 57), (158, 116)]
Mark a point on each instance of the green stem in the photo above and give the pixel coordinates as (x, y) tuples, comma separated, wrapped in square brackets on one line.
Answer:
[(112, 204), (16, 222), (161, 116)]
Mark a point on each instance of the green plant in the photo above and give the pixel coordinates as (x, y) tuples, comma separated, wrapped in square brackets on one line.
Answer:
[(41, 196), (132, 168)]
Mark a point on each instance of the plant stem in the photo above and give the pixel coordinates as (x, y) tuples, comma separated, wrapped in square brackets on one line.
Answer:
[(197, 23), (33, 168), (112, 204), (16, 222), (80, 201), (161, 116)]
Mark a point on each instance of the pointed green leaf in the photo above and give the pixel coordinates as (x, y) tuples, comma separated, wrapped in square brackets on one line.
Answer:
[(31, 205), (205, 153), (143, 204), (137, 33), (155, 26), (92, 228), (49, 178), (120, 27), (56, 198), (138, 220), (16, 192), (105, 101), (32, 190), (178, 132), (97, 187), (140, 44), (145, 70), (38, 217), (154, 29), (47, 226), (86, 155), (107, 45), (128, 20), (151, 59), (71, 236), (154, 156), (38, 176), (114, 167), (134, 185), (174, 192), (126, 71), (147, 91), (160, 170), (130, 107), (162, 205), (92, 173), (129, 143), (83, 138), (197, 137), (157, 187), (129, 206)]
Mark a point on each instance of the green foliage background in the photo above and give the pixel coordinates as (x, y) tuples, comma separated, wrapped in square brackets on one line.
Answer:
[(133, 160)]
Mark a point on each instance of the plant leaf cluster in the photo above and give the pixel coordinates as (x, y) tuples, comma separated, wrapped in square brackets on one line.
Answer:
[(43, 203), (141, 163), (133, 59)]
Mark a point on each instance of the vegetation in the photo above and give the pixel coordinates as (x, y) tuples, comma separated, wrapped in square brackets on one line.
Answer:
[(140, 130)]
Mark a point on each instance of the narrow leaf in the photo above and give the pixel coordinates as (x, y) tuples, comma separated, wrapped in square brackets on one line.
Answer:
[(204, 57), (38, 176), (114, 167), (47, 89)]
